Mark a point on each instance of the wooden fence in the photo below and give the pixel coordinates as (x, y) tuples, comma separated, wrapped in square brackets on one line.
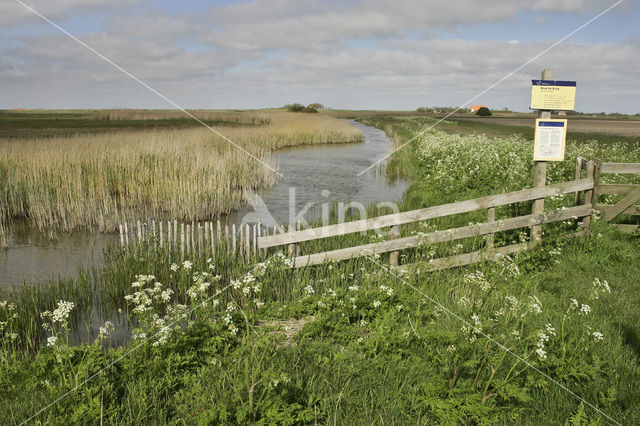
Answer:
[(253, 240), (582, 187), (631, 192), (197, 237)]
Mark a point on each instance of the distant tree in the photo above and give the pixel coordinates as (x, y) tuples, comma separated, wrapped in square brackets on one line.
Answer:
[(317, 106), (484, 112), (295, 107), (421, 109)]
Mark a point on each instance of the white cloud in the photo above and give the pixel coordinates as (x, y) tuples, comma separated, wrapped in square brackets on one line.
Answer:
[(267, 53), (12, 12), (276, 24)]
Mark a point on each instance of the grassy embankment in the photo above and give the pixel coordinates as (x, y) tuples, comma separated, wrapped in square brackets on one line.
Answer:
[(96, 180), (372, 349)]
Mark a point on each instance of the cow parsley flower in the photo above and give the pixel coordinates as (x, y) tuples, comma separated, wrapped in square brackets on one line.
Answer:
[(106, 329), (585, 309)]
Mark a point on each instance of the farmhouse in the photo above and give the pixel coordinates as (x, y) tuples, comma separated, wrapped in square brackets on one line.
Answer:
[(475, 108)]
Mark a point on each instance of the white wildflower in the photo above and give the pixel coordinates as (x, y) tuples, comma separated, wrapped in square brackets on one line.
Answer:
[(550, 329), (597, 336), (585, 309), (376, 303), (106, 329)]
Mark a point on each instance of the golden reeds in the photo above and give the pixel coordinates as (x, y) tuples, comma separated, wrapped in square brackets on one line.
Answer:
[(100, 180)]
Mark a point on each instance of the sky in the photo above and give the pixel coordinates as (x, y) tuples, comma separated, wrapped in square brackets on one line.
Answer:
[(345, 54)]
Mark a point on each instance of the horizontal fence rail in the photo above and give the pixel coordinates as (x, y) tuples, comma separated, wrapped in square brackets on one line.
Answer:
[(582, 209), (630, 193), (426, 213), (443, 236)]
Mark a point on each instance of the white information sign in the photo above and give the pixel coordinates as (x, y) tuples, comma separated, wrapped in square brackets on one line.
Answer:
[(550, 138)]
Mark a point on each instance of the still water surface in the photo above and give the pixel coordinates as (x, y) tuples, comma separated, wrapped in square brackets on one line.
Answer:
[(317, 174)]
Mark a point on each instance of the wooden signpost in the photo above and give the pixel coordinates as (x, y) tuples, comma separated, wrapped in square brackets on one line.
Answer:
[(550, 135)]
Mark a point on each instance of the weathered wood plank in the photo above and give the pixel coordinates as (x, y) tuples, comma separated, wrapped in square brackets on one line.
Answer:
[(633, 168), (466, 258), (622, 189), (631, 210), (588, 194), (578, 176), (426, 213), (622, 205), (627, 229), (442, 236)]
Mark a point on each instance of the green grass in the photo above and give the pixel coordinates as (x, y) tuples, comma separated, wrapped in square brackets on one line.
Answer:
[(368, 354)]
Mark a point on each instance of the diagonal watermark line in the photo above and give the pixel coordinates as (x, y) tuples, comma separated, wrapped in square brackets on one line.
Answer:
[(604, 12), (145, 85), (492, 340), (135, 348)]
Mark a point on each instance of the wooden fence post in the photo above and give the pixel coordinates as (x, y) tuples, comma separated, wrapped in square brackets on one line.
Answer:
[(596, 181), (578, 176), (588, 196), (540, 174), (182, 241), (394, 233), (292, 247), (491, 217), (247, 242), (233, 238), (213, 242)]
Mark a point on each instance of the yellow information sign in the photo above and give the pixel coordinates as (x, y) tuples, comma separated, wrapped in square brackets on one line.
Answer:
[(550, 138), (553, 95)]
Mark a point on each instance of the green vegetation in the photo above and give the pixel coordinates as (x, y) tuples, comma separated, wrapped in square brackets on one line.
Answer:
[(296, 107), (371, 348), (484, 112)]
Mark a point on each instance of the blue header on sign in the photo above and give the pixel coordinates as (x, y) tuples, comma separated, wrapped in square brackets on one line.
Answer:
[(553, 83), (551, 123)]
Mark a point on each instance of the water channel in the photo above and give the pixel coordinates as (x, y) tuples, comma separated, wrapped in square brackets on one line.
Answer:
[(314, 174)]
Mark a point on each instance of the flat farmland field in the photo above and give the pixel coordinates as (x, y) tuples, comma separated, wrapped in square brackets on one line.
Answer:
[(627, 127)]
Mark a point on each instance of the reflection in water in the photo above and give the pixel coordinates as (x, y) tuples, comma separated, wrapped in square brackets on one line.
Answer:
[(317, 174), (328, 174)]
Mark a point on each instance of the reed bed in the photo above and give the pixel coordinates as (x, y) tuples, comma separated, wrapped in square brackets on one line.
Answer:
[(98, 181), (242, 117)]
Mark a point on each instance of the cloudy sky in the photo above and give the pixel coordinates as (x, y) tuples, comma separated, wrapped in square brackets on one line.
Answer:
[(357, 54)]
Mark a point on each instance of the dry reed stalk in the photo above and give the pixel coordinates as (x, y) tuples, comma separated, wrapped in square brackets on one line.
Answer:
[(96, 181)]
